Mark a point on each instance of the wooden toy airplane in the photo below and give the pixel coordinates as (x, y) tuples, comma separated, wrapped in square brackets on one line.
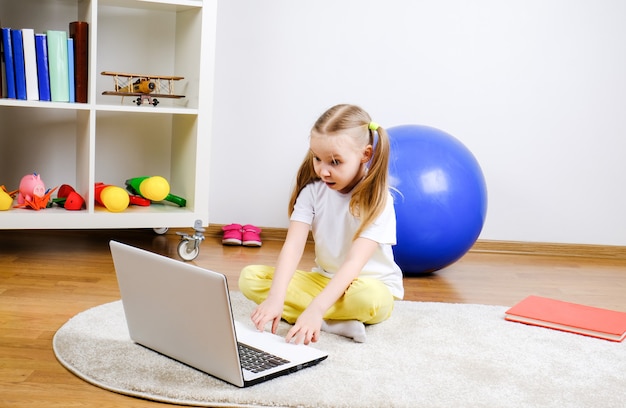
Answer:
[(144, 87)]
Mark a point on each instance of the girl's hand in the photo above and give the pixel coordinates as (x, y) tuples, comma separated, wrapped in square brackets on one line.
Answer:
[(271, 309), (307, 327)]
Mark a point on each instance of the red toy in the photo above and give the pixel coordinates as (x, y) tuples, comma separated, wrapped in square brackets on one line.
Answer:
[(116, 199), (69, 199)]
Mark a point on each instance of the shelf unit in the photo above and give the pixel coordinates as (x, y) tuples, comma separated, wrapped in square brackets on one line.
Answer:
[(110, 139)]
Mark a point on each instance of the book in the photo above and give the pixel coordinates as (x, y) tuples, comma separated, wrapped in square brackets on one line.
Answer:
[(570, 317), (9, 67), (30, 64), (43, 76), (2, 72), (57, 65), (70, 69), (18, 63), (79, 32)]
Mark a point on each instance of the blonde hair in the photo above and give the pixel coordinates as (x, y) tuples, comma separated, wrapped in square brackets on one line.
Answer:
[(369, 197)]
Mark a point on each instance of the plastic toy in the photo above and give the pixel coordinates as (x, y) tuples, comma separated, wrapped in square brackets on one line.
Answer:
[(6, 198), (31, 185), (116, 199), (32, 193), (442, 202), (113, 198), (155, 188), (68, 198)]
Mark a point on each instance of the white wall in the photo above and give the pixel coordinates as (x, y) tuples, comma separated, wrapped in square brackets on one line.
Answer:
[(535, 89)]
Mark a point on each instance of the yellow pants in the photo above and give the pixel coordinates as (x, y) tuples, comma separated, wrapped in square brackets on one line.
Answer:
[(367, 300)]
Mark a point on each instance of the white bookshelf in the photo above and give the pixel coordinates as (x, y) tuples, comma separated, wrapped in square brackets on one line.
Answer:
[(110, 139)]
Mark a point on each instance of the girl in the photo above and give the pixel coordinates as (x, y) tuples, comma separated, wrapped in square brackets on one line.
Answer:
[(341, 193)]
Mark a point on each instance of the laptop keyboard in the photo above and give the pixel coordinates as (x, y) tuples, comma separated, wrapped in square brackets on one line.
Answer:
[(257, 360)]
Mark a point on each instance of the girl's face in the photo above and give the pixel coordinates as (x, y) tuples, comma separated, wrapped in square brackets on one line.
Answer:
[(338, 160)]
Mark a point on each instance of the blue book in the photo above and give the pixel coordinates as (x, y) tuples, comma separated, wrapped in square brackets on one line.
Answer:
[(70, 69), (18, 63), (43, 76), (3, 89), (8, 63)]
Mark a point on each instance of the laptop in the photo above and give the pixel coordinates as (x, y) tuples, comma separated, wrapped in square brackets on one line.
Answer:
[(184, 312)]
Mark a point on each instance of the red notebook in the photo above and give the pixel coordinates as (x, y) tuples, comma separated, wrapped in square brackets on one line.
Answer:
[(571, 317)]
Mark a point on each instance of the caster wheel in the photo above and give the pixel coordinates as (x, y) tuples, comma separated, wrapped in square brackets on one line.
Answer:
[(160, 231), (188, 251)]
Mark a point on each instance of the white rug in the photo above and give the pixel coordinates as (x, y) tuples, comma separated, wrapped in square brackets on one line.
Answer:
[(425, 355)]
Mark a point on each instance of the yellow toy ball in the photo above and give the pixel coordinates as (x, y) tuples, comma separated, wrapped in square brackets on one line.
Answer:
[(114, 198), (5, 200), (154, 188)]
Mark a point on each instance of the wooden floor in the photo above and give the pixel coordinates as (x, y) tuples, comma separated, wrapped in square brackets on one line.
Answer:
[(46, 277)]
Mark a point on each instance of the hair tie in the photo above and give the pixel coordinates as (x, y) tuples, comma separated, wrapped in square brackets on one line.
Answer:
[(373, 126)]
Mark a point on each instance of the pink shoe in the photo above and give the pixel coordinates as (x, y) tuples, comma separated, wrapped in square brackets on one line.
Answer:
[(251, 236), (233, 234)]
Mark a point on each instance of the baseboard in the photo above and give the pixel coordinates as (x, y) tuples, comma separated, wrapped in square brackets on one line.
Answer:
[(551, 249), (492, 246)]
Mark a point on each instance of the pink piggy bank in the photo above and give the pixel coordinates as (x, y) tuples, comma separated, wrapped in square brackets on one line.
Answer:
[(31, 185)]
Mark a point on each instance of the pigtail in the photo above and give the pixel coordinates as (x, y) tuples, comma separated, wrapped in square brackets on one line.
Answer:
[(306, 174), (369, 198)]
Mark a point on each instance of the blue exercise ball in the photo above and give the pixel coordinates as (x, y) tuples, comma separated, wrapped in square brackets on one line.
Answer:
[(440, 198)]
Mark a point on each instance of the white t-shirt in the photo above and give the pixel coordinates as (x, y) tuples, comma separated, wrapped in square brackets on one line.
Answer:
[(328, 213)]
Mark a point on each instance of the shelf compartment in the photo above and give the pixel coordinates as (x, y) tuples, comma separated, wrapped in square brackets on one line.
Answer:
[(158, 38), (138, 144), (42, 141)]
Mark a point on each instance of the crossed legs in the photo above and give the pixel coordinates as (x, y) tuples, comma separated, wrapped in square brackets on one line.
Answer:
[(366, 301)]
